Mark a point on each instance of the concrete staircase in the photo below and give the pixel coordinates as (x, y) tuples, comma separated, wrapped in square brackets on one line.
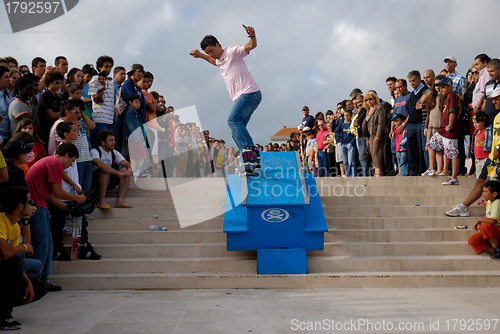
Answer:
[(383, 232)]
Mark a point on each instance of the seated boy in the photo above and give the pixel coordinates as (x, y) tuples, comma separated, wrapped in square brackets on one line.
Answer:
[(487, 239)]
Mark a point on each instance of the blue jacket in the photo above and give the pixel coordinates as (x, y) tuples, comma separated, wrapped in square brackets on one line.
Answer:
[(129, 87), (337, 128), (131, 122), (347, 136)]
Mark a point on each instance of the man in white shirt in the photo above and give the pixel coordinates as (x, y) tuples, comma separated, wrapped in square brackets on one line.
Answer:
[(105, 177)]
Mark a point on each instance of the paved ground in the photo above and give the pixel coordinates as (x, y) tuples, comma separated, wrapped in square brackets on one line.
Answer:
[(265, 311)]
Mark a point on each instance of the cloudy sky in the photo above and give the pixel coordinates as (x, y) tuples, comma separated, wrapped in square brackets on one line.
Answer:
[(309, 52)]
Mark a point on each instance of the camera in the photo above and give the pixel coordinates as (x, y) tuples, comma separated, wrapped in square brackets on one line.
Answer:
[(103, 74), (87, 207)]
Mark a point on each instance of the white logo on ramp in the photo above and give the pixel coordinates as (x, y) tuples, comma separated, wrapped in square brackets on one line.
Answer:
[(275, 215)]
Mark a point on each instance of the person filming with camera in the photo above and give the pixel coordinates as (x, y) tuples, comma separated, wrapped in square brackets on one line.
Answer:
[(44, 180), (68, 132)]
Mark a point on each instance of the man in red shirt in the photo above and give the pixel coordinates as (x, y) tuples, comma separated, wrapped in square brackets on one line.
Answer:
[(44, 180), (323, 168)]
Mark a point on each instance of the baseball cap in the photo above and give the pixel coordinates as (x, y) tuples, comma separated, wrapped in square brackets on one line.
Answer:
[(355, 93), (14, 148), (494, 93), (396, 116), (306, 128), (452, 58), (300, 127), (134, 68), (444, 82)]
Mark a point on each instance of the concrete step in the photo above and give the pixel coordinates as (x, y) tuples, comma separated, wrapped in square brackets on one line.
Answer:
[(156, 237), (167, 250), (327, 280), (141, 225), (202, 213), (424, 200), (394, 248), (375, 235), (320, 264), (392, 211), (158, 265), (437, 222), (182, 250)]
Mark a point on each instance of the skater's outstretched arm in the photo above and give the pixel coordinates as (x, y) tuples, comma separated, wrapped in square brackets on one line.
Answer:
[(252, 43), (197, 54)]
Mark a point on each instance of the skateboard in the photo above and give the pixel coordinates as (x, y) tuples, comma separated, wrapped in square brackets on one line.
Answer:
[(77, 243)]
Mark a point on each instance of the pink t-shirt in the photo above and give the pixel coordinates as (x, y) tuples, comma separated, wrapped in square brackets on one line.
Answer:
[(320, 137), (235, 72), (40, 176)]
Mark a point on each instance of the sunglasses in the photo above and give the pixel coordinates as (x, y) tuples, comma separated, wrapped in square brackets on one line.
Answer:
[(58, 82), (25, 71), (369, 99), (31, 202)]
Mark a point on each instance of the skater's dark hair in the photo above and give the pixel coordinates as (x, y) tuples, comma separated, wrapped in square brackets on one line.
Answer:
[(68, 149), (208, 40), (493, 186)]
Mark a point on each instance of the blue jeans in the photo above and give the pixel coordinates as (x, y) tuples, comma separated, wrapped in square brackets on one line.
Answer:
[(98, 128), (349, 159), (85, 174), (365, 165), (426, 153), (414, 135), (118, 130), (41, 240), (402, 158), (239, 117), (323, 169), (32, 267)]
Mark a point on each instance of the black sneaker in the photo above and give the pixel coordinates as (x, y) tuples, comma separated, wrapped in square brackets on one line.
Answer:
[(9, 324), (89, 255), (496, 253), (51, 286), (61, 256)]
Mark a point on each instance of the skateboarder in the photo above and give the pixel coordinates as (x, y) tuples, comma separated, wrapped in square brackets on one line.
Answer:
[(241, 87)]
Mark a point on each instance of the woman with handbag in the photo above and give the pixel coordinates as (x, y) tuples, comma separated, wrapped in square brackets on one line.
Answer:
[(375, 126)]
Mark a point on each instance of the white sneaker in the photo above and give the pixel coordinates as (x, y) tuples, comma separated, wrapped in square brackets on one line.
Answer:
[(451, 182), (457, 212)]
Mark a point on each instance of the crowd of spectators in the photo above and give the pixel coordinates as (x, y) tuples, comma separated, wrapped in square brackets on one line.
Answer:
[(65, 132), (428, 131)]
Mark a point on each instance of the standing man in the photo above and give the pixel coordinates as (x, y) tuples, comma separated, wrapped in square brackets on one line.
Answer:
[(119, 76), (323, 168), (240, 84), (391, 86), (102, 92), (130, 86), (4, 107), (459, 87), (413, 124), (308, 120)]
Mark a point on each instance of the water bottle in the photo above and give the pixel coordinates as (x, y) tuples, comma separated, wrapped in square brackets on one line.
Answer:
[(157, 228)]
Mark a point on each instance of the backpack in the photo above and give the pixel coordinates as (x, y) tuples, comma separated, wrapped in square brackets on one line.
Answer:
[(121, 105), (113, 157)]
